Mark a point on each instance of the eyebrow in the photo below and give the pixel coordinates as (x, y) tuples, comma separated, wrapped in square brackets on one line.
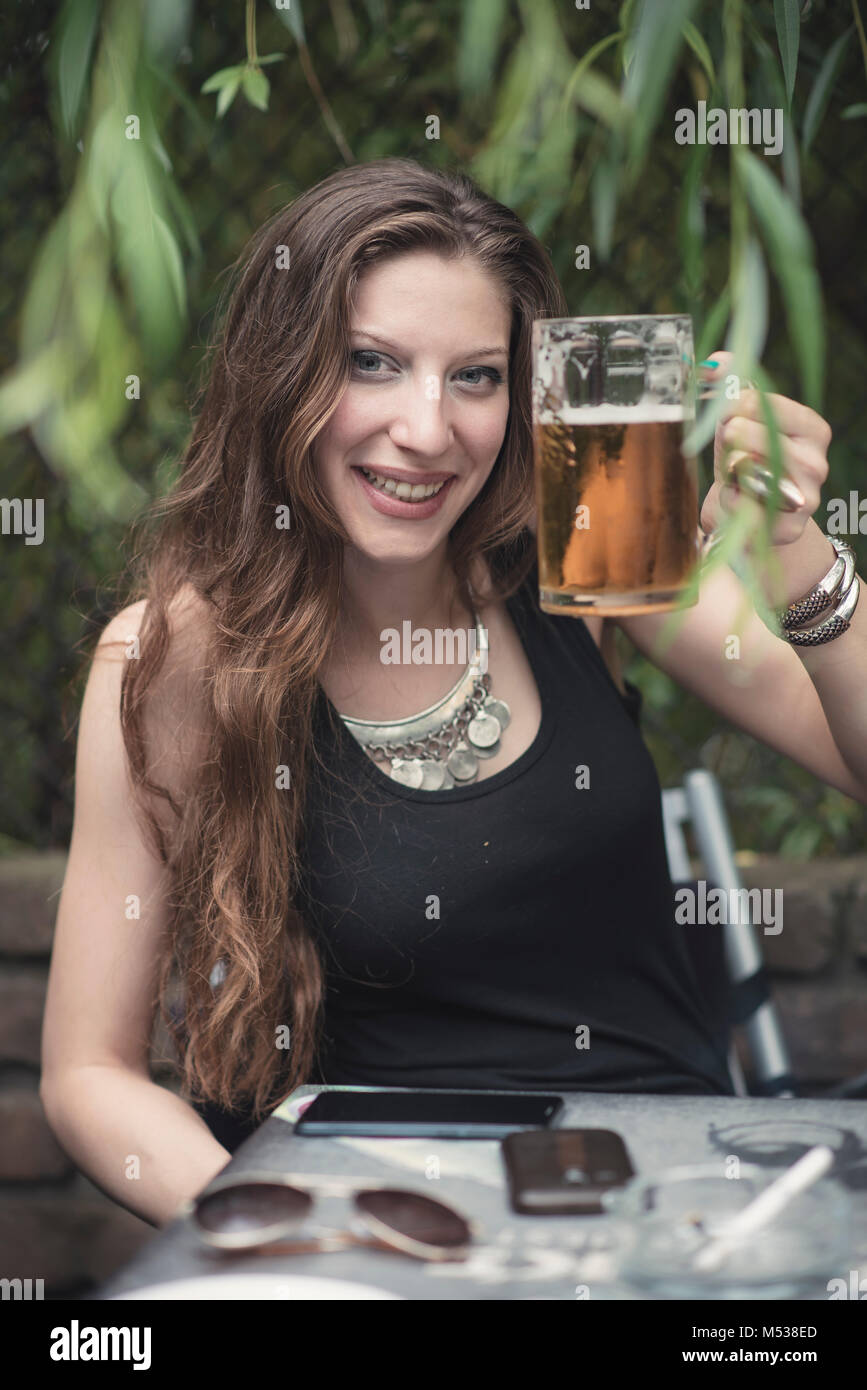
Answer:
[(472, 352)]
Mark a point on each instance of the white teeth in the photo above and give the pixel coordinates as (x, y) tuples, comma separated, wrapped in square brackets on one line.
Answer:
[(408, 492)]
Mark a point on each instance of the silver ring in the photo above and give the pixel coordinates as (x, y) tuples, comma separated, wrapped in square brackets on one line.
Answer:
[(757, 482)]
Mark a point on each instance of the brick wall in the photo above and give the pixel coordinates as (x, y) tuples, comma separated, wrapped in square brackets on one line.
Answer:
[(55, 1225)]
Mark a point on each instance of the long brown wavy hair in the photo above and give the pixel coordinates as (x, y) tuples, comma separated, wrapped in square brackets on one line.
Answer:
[(274, 375)]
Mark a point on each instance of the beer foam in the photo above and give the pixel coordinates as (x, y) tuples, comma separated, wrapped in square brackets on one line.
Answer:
[(643, 413)]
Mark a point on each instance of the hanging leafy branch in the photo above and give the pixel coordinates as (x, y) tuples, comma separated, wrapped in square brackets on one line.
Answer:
[(105, 308), (106, 300), (247, 76), (614, 96)]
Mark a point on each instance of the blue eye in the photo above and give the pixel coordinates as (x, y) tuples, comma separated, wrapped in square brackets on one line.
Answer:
[(490, 372), (368, 363), (365, 352)]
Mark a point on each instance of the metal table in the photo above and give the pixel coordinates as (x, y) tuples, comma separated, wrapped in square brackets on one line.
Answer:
[(515, 1257)]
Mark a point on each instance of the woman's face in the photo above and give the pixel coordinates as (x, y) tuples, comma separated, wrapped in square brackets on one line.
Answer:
[(422, 420)]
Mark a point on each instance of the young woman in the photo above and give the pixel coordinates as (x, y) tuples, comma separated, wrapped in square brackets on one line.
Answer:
[(298, 907)]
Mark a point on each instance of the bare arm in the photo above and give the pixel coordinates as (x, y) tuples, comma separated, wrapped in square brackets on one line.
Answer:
[(767, 691), (139, 1142)]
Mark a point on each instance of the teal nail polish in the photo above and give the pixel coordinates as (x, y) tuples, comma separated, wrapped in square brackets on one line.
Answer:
[(709, 364)]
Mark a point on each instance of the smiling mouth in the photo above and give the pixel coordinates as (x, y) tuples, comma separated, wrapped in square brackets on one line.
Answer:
[(406, 492)]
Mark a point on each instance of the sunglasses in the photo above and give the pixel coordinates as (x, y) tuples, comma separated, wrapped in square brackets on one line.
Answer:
[(258, 1212)]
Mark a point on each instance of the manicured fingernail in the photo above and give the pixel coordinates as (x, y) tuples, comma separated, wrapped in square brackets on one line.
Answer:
[(709, 363), (791, 490)]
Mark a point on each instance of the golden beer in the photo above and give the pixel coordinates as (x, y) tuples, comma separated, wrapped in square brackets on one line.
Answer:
[(616, 496), (617, 505)]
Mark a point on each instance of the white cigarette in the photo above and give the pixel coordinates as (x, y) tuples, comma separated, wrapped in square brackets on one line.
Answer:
[(808, 1169)]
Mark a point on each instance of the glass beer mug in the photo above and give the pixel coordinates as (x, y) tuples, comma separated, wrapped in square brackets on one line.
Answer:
[(617, 498)]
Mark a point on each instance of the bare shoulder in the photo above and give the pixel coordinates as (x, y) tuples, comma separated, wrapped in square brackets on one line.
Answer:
[(190, 620), (176, 707), (595, 625), (605, 638)]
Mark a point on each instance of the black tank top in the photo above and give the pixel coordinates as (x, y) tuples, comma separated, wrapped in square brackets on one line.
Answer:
[(516, 932)]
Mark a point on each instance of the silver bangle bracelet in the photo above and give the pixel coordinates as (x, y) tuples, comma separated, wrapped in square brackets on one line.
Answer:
[(840, 583), (833, 585), (830, 627)]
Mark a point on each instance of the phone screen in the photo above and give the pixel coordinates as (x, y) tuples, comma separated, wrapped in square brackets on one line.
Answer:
[(482, 1114)]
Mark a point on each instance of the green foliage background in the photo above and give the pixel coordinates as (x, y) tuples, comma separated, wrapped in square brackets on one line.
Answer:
[(116, 251)]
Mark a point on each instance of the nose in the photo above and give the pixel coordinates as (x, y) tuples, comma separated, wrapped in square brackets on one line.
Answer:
[(421, 422)]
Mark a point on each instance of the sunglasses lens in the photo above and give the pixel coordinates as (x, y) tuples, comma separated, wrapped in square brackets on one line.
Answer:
[(251, 1207), (418, 1218)]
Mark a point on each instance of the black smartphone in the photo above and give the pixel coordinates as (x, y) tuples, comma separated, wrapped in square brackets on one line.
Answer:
[(564, 1171), (428, 1112)]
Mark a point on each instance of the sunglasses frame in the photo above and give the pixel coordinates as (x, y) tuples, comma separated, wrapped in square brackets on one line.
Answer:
[(311, 1185)]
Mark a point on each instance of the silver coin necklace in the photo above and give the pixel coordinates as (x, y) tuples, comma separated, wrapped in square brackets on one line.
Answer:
[(441, 747)]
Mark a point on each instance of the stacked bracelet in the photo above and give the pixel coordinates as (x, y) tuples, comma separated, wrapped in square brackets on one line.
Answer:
[(841, 583)]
